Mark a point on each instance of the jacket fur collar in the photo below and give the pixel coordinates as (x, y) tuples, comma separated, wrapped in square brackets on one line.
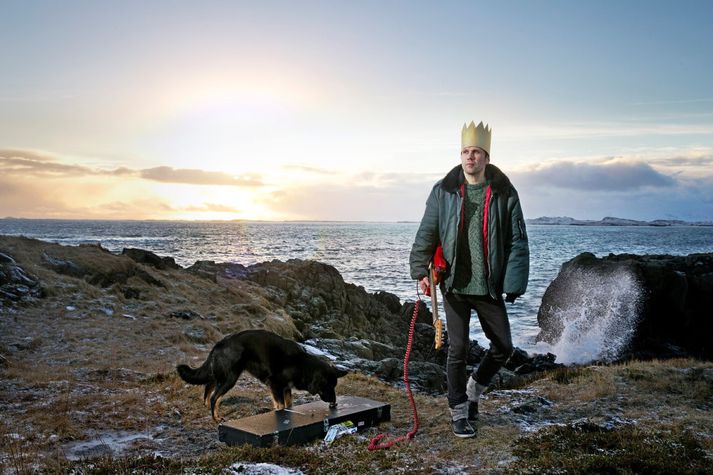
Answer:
[(455, 178)]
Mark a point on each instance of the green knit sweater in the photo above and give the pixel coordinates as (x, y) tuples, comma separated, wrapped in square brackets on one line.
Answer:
[(469, 276)]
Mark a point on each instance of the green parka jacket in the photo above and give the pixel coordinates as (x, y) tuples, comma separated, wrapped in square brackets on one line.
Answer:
[(505, 244)]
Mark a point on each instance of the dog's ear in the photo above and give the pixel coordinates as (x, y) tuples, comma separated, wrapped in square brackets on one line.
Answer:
[(341, 372)]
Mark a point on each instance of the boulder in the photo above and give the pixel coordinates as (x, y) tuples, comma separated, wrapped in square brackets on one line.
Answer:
[(149, 258), (637, 305), (97, 266), (15, 284)]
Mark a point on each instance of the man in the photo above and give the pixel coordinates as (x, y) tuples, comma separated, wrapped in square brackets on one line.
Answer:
[(474, 213)]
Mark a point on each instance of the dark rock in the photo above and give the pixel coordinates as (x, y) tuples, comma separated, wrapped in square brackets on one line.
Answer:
[(505, 379), (423, 375), (63, 267), (475, 353), (196, 335), (131, 293), (518, 358), (672, 309), (15, 285), (6, 259), (9, 296), (185, 314), (391, 301), (321, 303), (427, 376), (389, 369), (99, 276), (205, 269), (544, 362), (147, 257), (424, 314)]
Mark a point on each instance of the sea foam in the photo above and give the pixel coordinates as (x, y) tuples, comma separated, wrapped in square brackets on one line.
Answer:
[(599, 313)]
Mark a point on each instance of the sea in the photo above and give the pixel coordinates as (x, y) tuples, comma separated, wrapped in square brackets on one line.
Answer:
[(372, 255)]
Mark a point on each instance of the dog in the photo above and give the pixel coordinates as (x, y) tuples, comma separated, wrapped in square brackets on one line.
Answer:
[(279, 363)]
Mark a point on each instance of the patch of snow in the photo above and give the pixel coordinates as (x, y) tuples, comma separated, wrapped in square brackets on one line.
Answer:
[(244, 468), (313, 350), (107, 443), (70, 308)]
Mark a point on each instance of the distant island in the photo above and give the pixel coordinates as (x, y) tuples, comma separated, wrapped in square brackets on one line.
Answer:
[(611, 221)]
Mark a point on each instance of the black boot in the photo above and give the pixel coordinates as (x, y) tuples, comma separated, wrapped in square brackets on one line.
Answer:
[(472, 411), (459, 421), (463, 429)]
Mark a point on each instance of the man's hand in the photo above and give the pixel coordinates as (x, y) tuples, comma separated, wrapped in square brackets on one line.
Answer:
[(510, 298), (425, 285)]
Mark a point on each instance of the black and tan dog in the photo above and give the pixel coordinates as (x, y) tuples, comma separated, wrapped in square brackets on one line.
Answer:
[(280, 363)]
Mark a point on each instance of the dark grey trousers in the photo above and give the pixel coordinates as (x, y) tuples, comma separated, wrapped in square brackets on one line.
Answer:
[(494, 322)]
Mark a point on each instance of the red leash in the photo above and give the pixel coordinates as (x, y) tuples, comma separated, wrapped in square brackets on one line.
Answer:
[(374, 444)]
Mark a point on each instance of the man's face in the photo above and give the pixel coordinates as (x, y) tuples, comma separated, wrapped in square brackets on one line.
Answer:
[(474, 160)]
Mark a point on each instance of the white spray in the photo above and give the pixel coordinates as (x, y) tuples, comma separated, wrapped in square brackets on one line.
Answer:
[(599, 313)]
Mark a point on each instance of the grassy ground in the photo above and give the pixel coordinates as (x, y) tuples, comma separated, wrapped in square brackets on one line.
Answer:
[(86, 389)]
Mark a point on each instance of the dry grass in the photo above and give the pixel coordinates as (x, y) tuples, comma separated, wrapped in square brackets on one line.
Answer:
[(75, 375), (578, 383)]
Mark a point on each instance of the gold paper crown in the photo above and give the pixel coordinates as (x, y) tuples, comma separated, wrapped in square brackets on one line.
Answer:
[(473, 136)]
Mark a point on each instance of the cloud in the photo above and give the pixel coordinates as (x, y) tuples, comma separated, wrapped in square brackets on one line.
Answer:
[(32, 198), (304, 168), (211, 207), (365, 197), (32, 164), (681, 161), (28, 163), (609, 175), (197, 177)]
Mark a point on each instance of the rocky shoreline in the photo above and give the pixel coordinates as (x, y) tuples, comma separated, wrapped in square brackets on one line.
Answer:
[(89, 340), (361, 331)]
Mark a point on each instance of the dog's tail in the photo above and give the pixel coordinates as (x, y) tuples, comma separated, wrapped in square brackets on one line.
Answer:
[(202, 375)]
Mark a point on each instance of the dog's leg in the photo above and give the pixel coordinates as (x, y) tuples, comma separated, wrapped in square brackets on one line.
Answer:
[(288, 397), (278, 401), (209, 388), (222, 387), (215, 409)]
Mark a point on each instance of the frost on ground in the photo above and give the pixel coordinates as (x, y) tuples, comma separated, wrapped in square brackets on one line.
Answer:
[(244, 468)]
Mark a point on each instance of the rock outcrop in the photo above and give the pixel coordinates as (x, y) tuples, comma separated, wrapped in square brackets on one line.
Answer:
[(15, 284), (147, 257), (644, 305)]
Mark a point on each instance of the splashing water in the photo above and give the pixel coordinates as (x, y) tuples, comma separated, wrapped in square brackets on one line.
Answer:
[(599, 313)]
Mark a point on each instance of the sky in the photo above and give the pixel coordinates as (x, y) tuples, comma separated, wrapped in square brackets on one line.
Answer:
[(352, 110)]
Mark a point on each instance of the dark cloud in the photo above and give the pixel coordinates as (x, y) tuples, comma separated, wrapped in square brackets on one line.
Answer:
[(606, 176), (27, 163)]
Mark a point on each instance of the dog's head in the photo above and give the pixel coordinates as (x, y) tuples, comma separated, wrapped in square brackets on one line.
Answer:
[(324, 381)]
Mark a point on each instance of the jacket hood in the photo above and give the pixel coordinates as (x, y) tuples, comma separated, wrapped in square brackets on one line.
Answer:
[(455, 178)]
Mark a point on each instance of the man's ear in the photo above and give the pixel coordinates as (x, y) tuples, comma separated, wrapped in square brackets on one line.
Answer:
[(341, 372)]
